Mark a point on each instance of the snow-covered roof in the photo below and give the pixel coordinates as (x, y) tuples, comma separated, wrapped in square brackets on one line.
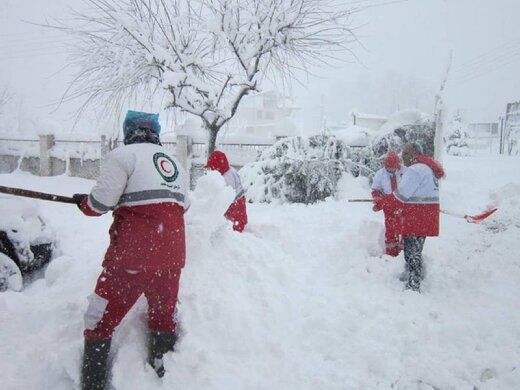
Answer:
[(364, 115), (403, 118), (355, 135)]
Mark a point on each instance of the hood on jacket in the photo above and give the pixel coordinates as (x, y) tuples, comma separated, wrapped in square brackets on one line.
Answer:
[(141, 127), (434, 165), (217, 161), (392, 160)]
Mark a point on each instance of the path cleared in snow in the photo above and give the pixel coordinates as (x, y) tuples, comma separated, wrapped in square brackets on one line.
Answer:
[(301, 300)]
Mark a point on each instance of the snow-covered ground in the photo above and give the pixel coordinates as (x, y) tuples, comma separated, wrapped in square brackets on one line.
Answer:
[(302, 300)]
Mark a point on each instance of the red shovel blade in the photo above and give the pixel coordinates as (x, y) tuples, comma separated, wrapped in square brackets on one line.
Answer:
[(479, 217)]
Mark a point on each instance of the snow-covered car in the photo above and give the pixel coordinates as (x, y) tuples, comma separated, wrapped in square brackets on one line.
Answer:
[(27, 242)]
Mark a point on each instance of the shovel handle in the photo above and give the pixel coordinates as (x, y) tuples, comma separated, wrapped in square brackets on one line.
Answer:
[(36, 195)]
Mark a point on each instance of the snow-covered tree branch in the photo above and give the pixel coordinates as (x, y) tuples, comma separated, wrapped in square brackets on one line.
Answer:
[(206, 55)]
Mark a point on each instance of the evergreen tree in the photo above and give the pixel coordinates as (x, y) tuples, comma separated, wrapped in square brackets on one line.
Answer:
[(456, 143)]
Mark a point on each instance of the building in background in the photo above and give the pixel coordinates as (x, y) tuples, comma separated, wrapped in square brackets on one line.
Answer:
[(370, 121), (510, 130), (483, 137), (263, 116), (501, 137), (259, 122)]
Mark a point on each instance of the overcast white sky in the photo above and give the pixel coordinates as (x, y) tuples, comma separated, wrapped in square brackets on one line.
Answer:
[(406, 50)]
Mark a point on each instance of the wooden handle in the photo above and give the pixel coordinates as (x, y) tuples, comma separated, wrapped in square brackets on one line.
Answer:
[(36, 195)]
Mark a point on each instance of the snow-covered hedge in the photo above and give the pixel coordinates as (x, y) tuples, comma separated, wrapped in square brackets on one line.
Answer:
[(307, 170), (297, 170), (370, 158)]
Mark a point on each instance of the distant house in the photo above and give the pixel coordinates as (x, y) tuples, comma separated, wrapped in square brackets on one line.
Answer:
[(370, 121), (510, 130), (260, 121), (483, 137), (262, 118), (266, 116)]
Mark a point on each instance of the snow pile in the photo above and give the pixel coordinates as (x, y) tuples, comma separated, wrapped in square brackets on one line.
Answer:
[(24, 223), (303, 299), (213, 198)]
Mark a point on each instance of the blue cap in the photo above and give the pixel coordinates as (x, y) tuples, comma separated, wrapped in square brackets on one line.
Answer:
[(135, 120)]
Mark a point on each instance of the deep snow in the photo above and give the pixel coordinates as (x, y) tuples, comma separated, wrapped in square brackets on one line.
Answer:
[(302, 300)]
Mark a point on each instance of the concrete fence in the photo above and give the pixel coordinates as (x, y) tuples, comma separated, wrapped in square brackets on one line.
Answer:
[(49, 156)]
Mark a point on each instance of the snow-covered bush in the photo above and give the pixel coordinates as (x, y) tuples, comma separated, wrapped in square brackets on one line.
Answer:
[(403, 127), (307, 170), (297, 170)]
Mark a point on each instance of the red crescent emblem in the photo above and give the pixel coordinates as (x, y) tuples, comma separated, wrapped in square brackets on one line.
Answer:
[(162, 166)]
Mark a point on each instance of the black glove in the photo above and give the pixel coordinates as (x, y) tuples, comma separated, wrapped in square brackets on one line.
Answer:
[(78, 198)]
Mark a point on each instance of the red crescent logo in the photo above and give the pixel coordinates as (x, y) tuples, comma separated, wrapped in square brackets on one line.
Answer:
[(162, 166)]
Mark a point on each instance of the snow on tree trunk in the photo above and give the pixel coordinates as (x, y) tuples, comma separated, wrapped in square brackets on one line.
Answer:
[(212, 139)]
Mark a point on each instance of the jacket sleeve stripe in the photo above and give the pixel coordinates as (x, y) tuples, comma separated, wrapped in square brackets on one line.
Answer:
[(98, 206), (150, 195)]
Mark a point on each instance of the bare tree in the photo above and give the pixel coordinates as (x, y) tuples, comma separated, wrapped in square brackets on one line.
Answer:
[(206, 55)]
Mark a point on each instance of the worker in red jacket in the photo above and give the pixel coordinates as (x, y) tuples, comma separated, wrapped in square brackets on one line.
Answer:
[(236, 212), (417, 201), (146, 189), (384, 183)]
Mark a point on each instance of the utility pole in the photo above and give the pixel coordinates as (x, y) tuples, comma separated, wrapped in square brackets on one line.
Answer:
[(438, 143), (501, 136)]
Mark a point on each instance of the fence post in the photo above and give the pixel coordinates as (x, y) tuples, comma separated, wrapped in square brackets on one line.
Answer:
[(182, 150), (46, 144), (105, 147)]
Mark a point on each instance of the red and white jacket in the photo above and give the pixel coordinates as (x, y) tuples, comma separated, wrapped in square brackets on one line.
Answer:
[(382, 182), (236, 212), (147, 189), (417, 201)]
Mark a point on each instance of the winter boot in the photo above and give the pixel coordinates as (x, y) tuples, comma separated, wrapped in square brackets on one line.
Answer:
[(94, 368), (159, 344)]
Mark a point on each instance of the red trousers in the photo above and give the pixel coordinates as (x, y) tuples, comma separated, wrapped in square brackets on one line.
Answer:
[(393, 237), (116, 292), (237, 213)]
